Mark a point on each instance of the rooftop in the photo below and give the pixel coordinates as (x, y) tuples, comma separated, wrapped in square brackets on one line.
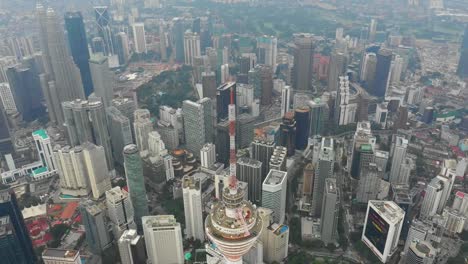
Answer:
[(41, 133), (275, 177), (388, 209), (331, 185), (60, 253), (40, 170), (159, 220)]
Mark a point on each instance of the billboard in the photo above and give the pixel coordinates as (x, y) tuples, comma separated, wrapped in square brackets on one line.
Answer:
[(376, 230)]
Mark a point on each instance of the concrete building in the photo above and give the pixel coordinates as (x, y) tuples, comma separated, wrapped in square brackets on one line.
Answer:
[(139, 37), (303, 62), (278, 159), (98, 175), (267, 50), (120, 211), (369, 183), (337, 68), (6, 96), (62, 256), (285, 100), (102, 77), (274, 194), (163, 239), (330, 212), (250, 171), (433, 197), (421, 252), (120, 131), (44, 149), (323, 171), (382, 227), (262, 150), (193, 208), (275, 243), (345, 109), (94, 221), (156, 146), (72, 170), (198, 124), (132, 247), (142, 125), (191, 47), (398, 160)]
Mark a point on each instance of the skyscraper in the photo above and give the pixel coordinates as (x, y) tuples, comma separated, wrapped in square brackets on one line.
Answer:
[(120, 131), (86, 122), (135, 182), (7, 99), (178, 37), (274, 194), (302, 117), (363, 135), (323, 171), (382, 72), (223, 98), (72, 170), (163, 239), (372, 30), (261, 78), (102, 77), (398, 160), (191, 47), (193, 207), (132, 247), (208, 155), (462, 69), (142, 125), (278, 159), (319, 112), (122, 48), (94, 221), (209, 84), (369, 182), (288, 133), (330, 212), (79, 47), (98, 174), (120, 211), (285, 100), (250, 171), (267, 50), (262, 149), (15, 244), (433, 197), (382, 227), (139, 37), (44, 149), (421, 252), (338, 65), (104, 28), (345, 110), (198, 123), (303, 62)]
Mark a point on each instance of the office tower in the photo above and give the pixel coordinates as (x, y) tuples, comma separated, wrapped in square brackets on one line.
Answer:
[(79, 47), (132, 247), (25, 87), (72, 170), (308, 180), (122, 48), (62, 256), (135, 182), (198, 124), (418, 231), (382, 227), (372, 30), (250, 171), (433, 197), (44, 149), (397, 69), (170, 136), (16, 246), (178, 37), (209, 84), (193, 207), (162, 40), (262, 149), (267, 50), (142, 125), (275, 243), (191, 47), (65, 73), (6, 142), (208, 155), (156, 146), (224, 73), (163, 239), (330, 212), (119, 211), (94, 221), (382, 73), (102, 77), (381, 114), (345, 111), (454, 221), (278, 159), (245, 127), (98, 175), (261, 78), (362, 136), (7, 99), (86, 122), (285, 100), (139, 37), (337, 68), (223, 99), (245, 97), (274, 194), (303, 62), (462, 69), (120, 132), (421, 252), (97, 45), (104, 28), (319, 112), (323, 171), (367, 70), (398, 160), (302, 117), (288, 133), (41, 15), (369, 182)]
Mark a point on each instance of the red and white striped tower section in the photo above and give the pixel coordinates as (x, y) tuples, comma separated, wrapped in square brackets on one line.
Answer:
[(233, 224)]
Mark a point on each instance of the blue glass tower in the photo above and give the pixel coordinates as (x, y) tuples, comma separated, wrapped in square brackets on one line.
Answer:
[(79, 48), (15, 243)]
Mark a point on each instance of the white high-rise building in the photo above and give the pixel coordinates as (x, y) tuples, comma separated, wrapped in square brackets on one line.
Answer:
[(61, 256), (72, 170), (132, 247), (274, 194), (224, 73), (398, 159), (323, 171), (156, 146), (372, 30), (330, 212), (7, 98), (168, 167), (191, 47), (98, 175), (120, 210), (142, 125), (433, 197), (163, 239), (208, 155), (397, 69), (102, 78), (382, 228), (346, 111), (139, 37), (267, 47), (368, 66), (193, 207), (44, 148), (285, 100)]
